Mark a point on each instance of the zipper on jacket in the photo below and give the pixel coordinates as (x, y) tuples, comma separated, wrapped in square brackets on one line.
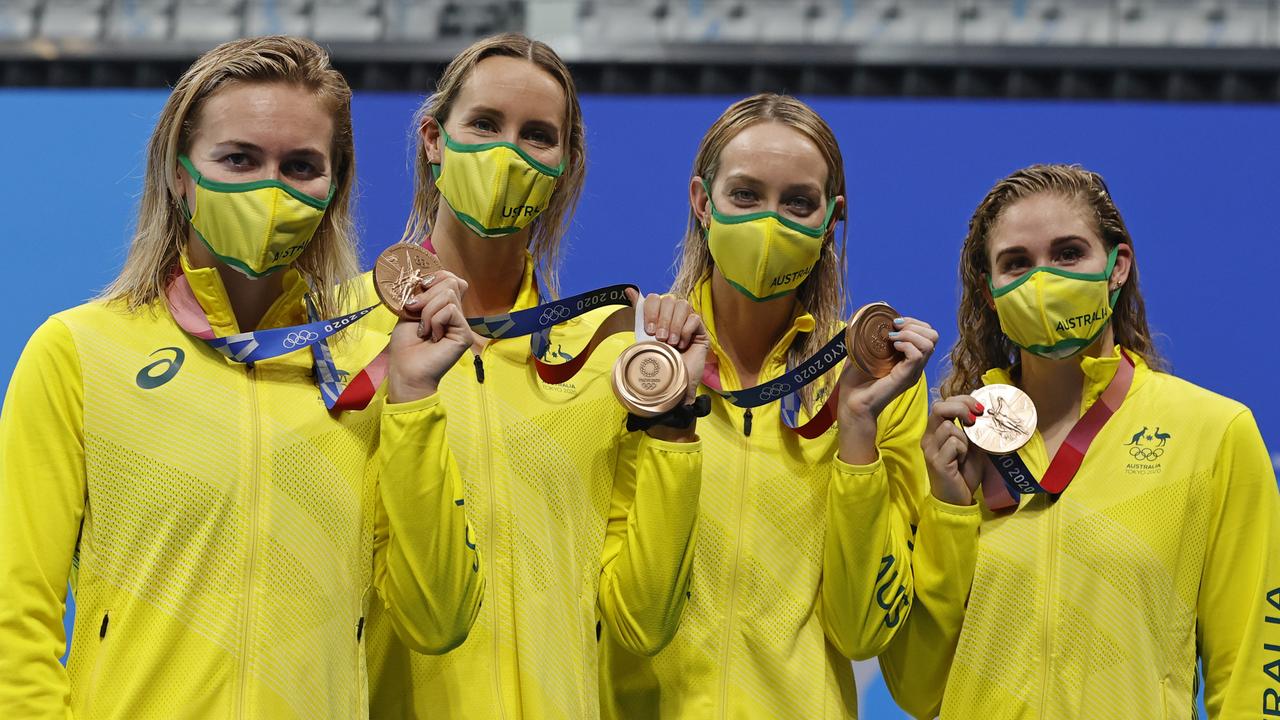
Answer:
[(746, 423), (100, 659), (1051, 564), (485, 432), (740, 508), (255, 460)]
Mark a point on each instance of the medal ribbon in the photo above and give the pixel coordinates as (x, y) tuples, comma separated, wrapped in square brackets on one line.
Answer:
[(259, 345), (786, 388), (1017, 477)]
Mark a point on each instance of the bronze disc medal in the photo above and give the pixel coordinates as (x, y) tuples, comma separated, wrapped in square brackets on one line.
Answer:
[(867, 339), (1008, 422), (400, 272), (649, 378)]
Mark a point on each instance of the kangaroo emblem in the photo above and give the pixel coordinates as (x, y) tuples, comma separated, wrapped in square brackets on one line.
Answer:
[(1137, 437), (1162, 437)]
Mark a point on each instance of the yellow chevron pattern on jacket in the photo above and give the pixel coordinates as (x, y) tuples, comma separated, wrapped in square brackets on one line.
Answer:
[(580, 525), (219, 523), (1093, 606), (802, 562)]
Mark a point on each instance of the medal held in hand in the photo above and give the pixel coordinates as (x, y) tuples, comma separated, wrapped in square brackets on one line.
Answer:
[(649, 378), (1008, 422), (401, 272), (867, 339)]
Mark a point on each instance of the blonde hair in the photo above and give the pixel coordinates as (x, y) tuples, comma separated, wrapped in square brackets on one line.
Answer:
[(982, 345), (162, 229), (548, 229), (823, 292)]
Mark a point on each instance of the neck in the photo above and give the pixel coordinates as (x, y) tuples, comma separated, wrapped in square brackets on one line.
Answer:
[(492, 267), (1057, 386), (250, 298), (747, 330)]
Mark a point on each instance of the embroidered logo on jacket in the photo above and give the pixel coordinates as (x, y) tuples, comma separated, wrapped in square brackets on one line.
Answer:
[(1146, 447)]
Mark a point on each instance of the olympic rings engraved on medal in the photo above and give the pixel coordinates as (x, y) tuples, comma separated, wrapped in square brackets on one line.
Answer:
[(302, 337), (1145, 454), (554, 314), (649, 369)]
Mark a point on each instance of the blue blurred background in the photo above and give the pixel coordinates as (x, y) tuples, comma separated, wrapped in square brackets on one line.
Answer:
[(1196, 184)]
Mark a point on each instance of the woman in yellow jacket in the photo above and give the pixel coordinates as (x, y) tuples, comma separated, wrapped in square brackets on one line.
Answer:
[(581, 524), (805, 546), (166, 448), (1142, 530)]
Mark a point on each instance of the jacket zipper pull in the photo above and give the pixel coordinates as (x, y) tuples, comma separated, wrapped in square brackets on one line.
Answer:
[(102, 631), (746, 423), (479, 368)]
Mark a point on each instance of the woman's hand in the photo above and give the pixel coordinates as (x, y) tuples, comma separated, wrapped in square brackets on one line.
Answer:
[(955, 465), (429, 341), (672, 320), (863, 398)]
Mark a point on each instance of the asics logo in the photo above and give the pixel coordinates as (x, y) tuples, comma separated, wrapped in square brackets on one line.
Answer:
[(161, 371), (554, 314), (300, 338)]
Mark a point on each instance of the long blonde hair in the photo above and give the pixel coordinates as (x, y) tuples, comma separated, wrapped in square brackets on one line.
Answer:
[(823, 292), (548, 229), (982, 345), (162, 229)]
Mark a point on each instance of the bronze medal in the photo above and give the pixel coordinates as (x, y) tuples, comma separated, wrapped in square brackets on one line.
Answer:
[(400, 273), (867, 339), (1008, 420), (649, 378)]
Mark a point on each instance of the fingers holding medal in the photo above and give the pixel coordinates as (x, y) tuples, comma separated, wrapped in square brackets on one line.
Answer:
[(433, 331), (654, 377), (955, 467), (887, 354)]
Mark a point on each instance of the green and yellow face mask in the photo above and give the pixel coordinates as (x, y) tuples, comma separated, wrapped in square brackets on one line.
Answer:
[(764, 255), (494, 188), (255, 227), (1056, 313)]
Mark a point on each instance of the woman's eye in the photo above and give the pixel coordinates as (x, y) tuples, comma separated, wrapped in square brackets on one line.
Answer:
[(801, 205), (1014, 265), (484, 125), (1071, 254), (539, 137), (237, 160), (742, 196), (300, 168)]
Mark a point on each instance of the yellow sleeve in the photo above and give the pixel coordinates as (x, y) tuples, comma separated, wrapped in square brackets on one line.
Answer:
[(648, 550), (916, 663), (42, 501), (1238, 613), (426, 565), (871, 514)]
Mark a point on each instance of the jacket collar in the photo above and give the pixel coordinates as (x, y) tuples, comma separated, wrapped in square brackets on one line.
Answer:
[(775, 364)]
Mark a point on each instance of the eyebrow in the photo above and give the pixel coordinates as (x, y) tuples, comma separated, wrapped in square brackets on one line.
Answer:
[(247, 146), (1063, 239)]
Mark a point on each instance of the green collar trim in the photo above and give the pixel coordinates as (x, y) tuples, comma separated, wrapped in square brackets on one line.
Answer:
[(814, 232), (226, 187), (456, 146), (1103, 276)]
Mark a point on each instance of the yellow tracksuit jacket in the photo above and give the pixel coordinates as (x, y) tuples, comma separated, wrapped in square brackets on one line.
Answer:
[(580, 524), (802, 562), (218, 524), (1165, 547)]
